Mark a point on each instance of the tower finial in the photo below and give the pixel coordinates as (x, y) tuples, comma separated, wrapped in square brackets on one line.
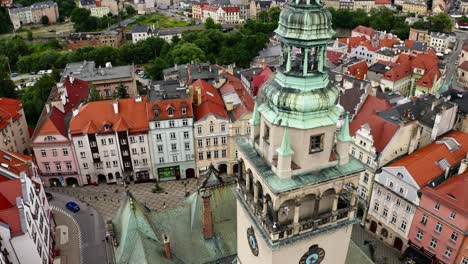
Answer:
[(255, 120), (285, 148), (343, 135)]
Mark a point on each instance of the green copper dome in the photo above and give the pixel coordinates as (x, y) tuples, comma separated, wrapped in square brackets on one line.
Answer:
[(304, 24), (301, 95)]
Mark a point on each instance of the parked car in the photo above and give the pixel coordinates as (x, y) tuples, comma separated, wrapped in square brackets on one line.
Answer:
[(14, 74), (72, 206), (41, 72), (30, 84), (49, 72)]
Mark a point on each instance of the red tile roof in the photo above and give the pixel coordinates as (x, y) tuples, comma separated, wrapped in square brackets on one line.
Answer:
[(389, 42), (423, 163), (381, 130), (9, 213), (16, 162), (164, 105), (369, 45), (259, 79), (77, 92), (335, 56), (358, 70), (352, 42), (365, 30), (428, 79), (246, 104), (231, 9), (54, 124), (9, 109), (465, 47), (398, 72), (132, 116), (464, 66), (383, 2), (451, 191), (211, 101)]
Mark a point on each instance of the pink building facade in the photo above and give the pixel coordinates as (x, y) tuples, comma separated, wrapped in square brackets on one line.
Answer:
[(440, 222)]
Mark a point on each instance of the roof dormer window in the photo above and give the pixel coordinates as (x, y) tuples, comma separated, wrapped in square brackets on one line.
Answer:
[(156, 112), (170, 111), (107, 127), (184, 110)]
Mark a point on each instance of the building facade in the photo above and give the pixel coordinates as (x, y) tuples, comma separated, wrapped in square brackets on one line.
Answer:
[(440, 223), (220, 14), (33, 14), (171, 139), (110, 140), (26, 221), (14, 133), (289, 207), (211, 128), (395, 192), (105, 78)]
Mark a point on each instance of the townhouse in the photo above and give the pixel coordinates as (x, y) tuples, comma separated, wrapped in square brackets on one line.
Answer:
[(26, 224), (110, 140), (14, 133), (441, 42), (220, 14), (32, 14), (142, 32), (440, 223), (171, 138), (106, 79), (395, 193), (211, 128), (51, 146), (239, 106)]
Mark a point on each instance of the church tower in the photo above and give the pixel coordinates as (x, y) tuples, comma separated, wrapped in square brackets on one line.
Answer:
[(297, 184)]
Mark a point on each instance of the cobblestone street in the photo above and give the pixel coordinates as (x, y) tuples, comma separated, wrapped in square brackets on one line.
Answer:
[(67, 238), (107, 198), (383, 253)]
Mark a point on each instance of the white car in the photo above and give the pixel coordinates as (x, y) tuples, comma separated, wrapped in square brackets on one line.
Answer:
[(30, 84), (49, 72), (41, 72)]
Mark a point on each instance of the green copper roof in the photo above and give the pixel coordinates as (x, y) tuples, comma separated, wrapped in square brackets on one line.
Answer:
[(285, 149), (278, 185), (139, 230), (343, 135), (255, 121), (304, 23)]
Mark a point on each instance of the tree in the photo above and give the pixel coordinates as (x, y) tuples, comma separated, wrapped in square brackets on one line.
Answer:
[(34, 98), (8, 87), (155, 69), (210, 24), (65, 7), (186, 52), (5, 22), (44, 20), (121, 92), (29, 36), (441, 23), (130, 10), (94, 94)]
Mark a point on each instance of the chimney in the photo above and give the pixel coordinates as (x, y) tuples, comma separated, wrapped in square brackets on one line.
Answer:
[(115, 104), (167, 247), (463, 165), (208, 229), (47, 106), (175, 66), (76, 111), (229, 106), (339, 78), (199, 96)]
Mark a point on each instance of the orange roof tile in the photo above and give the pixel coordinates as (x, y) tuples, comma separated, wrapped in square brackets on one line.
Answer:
[(132, 116), (54, 124), (9, 109), (398, 72), (164, 105), (365, 30), (382, 131), (16, 162), (211, 101), (451, 191), (423, 163), (352, 42), (9, 213), (358, 70)]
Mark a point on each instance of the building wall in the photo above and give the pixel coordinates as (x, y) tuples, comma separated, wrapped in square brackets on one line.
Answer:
[(364, 53), (140, 154), (64, 155), (99, 11), (419, 9), (418, 35), (107, 87), (463, 253), (35, 245), (364, 5), (20, 18), (202, 148), (457, 225), (239, 128), (160, 139), (51, 12)]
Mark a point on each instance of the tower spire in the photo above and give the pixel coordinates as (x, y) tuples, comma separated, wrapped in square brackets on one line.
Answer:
[(285, 148), (255, 115), (344, 135)]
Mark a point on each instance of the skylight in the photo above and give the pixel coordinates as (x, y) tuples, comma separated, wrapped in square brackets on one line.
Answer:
[(451, 143)]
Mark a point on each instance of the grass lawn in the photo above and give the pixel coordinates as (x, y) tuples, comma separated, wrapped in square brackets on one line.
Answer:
[(160, 21)]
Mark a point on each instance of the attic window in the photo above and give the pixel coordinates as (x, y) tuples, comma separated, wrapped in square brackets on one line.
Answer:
[(399, 174), (170, 111), (184, 110), (156, 112), (50, 138), (107, 127), (451, 143)]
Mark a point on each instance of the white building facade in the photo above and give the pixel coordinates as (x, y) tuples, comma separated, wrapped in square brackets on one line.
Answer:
[(171, 139)]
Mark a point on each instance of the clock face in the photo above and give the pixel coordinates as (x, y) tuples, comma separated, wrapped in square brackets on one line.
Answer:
[(314, 255), (252, 240)]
